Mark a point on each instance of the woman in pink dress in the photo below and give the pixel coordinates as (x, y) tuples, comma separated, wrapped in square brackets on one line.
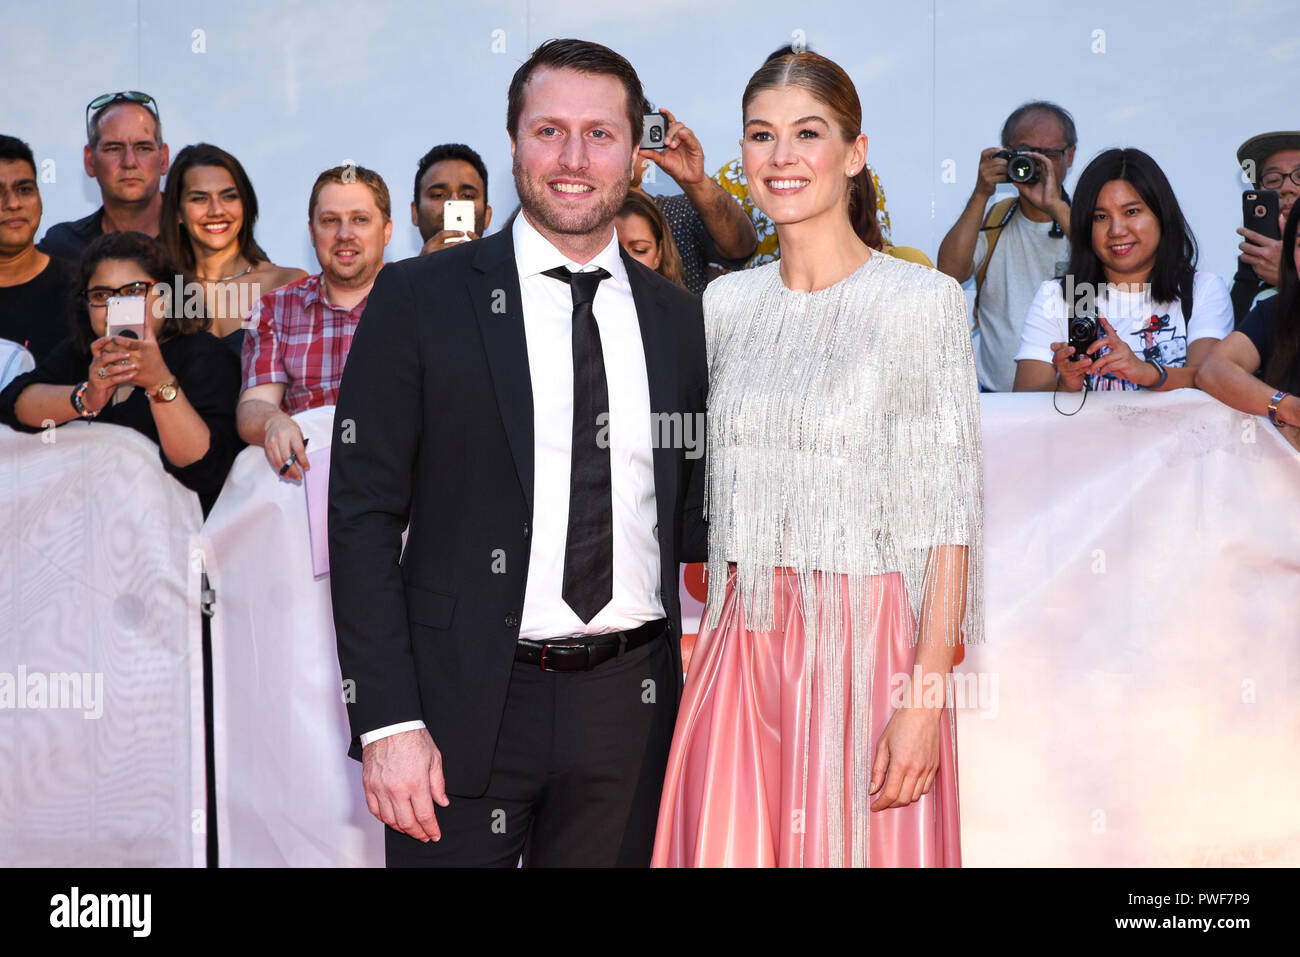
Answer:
[(845, 524)]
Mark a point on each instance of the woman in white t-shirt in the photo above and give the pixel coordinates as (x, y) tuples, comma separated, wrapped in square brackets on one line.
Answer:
[(1133, 268)]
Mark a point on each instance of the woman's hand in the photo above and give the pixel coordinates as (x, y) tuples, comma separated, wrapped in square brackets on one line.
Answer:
[(151, 371), (1122, 362), (1071, 373), (907, 757), (110, 367)]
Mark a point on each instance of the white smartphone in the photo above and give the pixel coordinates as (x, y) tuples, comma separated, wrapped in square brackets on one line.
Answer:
[(126, 317), (458, 215)]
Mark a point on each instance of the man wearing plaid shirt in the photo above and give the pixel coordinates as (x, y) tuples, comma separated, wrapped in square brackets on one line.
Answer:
[(299, 335)]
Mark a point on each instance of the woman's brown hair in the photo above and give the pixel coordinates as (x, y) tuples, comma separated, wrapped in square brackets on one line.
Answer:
[(828, 82), (173, 235), (670, 260)]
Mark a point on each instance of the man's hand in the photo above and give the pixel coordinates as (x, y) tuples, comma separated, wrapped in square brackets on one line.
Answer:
[(682, 157), (402, 775), (444, 238), (907, 757), (992, 172), (1261, 253), (283, 440), (1046, 193)]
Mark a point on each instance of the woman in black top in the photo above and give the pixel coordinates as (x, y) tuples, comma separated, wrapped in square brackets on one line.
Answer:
[(1268, 342), (177, 385)]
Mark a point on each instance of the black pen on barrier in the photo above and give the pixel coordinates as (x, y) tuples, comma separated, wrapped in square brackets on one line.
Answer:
[(293, 457)]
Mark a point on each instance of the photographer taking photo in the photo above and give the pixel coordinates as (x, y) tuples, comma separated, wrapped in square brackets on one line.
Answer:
[(1018, 242), (1132, 307)]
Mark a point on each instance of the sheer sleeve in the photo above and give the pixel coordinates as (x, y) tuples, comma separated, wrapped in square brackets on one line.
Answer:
[(951, 489)]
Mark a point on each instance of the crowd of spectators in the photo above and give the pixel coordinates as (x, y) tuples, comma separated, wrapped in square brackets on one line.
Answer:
[(236, 345)]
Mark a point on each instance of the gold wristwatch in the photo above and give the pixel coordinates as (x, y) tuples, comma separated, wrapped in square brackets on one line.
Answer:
[(165, 392)]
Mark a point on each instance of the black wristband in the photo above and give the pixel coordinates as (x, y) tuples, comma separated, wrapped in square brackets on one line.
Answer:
[(1164, 374)]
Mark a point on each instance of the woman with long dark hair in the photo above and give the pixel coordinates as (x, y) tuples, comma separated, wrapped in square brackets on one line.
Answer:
[(209, 210), (176, 384), (1132, 269), (1268, 343), (845, 523)]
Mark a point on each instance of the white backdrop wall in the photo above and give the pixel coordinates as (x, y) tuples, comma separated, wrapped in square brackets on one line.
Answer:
[(293, 87)]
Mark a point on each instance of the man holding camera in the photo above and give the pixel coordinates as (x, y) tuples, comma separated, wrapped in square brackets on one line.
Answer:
[(1017, 243)]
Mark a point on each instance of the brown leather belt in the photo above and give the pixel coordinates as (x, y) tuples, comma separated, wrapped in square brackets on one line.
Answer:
[(583, 655)]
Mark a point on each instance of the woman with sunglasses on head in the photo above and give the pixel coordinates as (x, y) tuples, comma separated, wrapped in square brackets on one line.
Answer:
[(208, 213), (176, 384), (1132, 268), (1267, 343)]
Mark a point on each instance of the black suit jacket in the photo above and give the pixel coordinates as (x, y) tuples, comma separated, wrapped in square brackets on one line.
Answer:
[(434, 426)]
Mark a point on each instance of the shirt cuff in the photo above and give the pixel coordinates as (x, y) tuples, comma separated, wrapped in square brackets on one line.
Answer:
[(372, 736)]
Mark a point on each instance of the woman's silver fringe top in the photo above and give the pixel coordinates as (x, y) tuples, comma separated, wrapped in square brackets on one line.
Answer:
[(844, 437)]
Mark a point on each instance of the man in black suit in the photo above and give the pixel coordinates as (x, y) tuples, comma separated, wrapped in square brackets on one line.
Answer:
[(531, 404)]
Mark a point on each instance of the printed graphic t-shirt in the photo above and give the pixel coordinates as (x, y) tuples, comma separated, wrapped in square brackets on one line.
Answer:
[(1152, 330)]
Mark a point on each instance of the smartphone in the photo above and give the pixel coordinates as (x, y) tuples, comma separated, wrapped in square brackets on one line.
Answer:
[(654, 128), (458, 215), (1259, 211), (126, 317)]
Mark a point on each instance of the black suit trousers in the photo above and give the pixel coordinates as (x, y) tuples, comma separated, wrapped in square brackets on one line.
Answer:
[(576, 776)]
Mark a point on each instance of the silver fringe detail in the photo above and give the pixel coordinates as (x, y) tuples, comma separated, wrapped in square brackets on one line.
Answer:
[(844, 443)]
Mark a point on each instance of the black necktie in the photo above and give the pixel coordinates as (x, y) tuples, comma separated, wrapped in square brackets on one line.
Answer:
[(588, 583)]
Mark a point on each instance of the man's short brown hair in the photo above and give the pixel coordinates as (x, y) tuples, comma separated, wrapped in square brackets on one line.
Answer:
[(352, 174), (582, 56)]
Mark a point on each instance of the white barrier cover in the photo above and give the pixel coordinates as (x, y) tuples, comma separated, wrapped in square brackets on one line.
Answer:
[(101, 720), (287, 793), (1137, 703), (1142, 668)]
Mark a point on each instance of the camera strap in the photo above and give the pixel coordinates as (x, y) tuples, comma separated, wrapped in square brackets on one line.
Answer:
[(995, 220)]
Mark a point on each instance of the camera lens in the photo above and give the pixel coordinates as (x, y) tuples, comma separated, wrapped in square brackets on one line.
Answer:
[(1022, 169), (656, 133), (1084, 331)]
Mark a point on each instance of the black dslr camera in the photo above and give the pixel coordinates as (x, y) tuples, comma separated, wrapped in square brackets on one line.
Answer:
[(1021, 167)]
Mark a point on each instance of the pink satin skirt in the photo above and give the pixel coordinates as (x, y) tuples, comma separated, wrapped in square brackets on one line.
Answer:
[(735, 778)]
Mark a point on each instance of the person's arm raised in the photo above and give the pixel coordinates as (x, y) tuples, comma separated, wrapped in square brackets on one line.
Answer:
[(682, 158), (957, 251)]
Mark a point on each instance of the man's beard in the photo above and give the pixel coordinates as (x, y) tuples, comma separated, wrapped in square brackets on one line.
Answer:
[(535, 200)]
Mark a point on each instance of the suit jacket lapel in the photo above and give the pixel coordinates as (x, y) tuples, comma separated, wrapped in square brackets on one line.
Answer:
[(661, 371), (498, 306)]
